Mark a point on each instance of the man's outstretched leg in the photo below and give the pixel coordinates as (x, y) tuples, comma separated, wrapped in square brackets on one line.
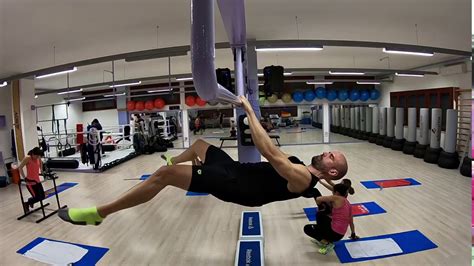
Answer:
[(197, 149), (176, 175)]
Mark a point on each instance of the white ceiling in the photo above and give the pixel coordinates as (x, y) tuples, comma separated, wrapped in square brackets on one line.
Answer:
[(92, 28)]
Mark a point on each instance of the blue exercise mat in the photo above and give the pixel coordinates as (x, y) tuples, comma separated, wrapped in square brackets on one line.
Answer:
[(189, 193), (50, 192), (372, 207), (373, 185), (409, 242), (93, 255), (144, 177)]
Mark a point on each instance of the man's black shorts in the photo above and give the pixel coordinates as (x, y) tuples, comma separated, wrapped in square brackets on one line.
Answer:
[(218, 176)]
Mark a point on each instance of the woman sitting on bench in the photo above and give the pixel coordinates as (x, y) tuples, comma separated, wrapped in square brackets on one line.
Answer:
[(34, 167)]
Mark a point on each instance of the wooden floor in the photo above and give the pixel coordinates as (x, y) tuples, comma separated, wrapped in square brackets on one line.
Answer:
[(174, 229)]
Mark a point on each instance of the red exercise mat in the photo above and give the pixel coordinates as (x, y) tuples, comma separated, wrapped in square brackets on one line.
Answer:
[(359, 209), (393, 183)]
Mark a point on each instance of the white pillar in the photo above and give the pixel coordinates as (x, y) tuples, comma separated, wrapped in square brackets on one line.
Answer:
[(185, 116), (186, 140), (6, 109), (245, 66), (28, 115), (325, 122)]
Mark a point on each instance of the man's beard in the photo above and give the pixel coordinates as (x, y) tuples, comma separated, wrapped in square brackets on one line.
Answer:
[(317, 162)]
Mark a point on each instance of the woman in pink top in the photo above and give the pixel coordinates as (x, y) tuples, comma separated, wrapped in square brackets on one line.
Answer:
[(333, 227), (34, 167)]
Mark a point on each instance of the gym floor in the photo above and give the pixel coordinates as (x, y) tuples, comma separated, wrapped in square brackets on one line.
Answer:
[(173, 229)]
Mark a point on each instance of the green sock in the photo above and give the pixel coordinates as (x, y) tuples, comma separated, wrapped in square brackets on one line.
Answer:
[(326, 248), (167, 158), (83, 216)]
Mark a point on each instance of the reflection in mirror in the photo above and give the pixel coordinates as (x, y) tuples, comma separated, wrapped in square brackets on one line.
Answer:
[(164, 126), (293, 124), (350, 123), (286, 124), (216, 126)]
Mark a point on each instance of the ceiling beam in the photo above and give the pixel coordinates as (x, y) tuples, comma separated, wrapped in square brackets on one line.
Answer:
[(444, 63), (362, 44), (181, 50), (296, 71)]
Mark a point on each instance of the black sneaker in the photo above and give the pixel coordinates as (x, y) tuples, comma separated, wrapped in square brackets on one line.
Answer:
[(31, 202)]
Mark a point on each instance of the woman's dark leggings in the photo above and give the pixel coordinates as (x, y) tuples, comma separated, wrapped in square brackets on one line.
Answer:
[(322, 229), (36, 190)]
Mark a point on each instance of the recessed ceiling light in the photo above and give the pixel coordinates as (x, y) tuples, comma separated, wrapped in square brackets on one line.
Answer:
[(388, 51), (184, 79), (346, 73), (126, 84), (115, 95), (368, 82), (409, 75), (319, 82), (289, 49), (162, 90), (68, 92), (57, 73)]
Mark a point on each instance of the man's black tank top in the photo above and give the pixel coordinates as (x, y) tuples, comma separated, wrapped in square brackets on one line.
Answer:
[(262, 183)]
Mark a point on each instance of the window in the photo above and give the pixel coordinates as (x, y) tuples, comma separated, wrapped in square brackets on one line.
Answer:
[(412, 101), (434, 98), (422, 101), (101, 103)]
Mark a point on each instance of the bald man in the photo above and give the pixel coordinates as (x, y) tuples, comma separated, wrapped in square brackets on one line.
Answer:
[(283, 177)]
